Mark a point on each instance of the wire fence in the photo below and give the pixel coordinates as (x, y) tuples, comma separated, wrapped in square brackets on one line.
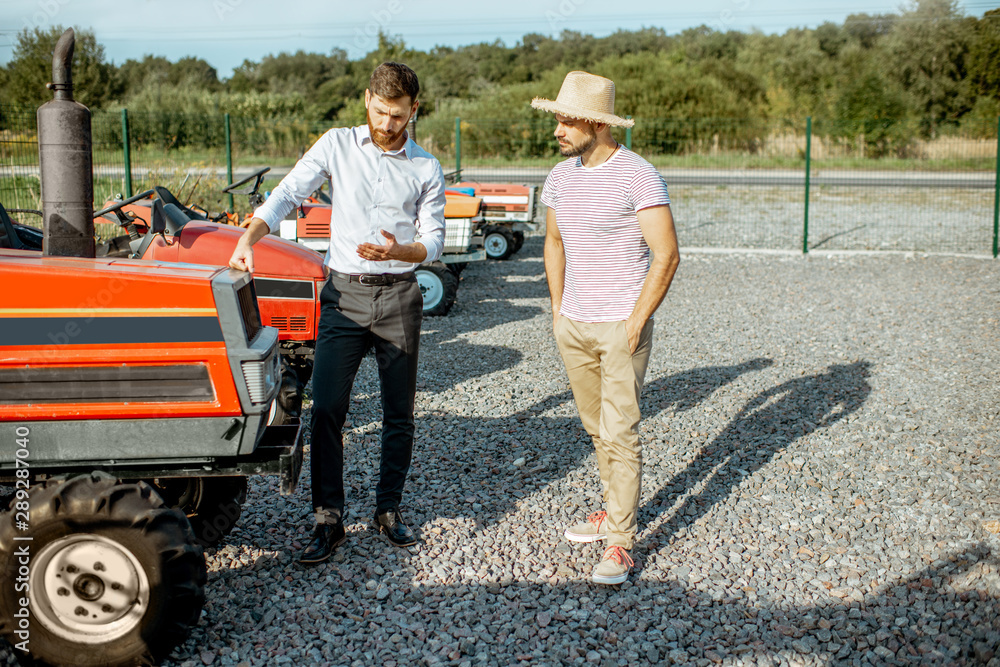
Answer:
[(775, 184)]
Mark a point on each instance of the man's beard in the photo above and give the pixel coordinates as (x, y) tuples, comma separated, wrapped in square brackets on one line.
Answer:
[(579, 149), (383, 139)]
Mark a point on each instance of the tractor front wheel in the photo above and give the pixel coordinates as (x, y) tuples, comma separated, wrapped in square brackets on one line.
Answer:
[(499, 242), (111, 576), (518, 240), (213, 505), (439, 287)]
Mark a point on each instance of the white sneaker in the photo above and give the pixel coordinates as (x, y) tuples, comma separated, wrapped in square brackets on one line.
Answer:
[(614, 567), (594, 529)]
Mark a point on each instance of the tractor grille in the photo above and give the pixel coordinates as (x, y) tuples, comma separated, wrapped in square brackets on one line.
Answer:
[(106, 384), (248, 310), (289, 323), (317, 229)]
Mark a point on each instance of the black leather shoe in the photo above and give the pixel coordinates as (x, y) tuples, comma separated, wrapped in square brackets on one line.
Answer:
[(325, 539), (397, 532)]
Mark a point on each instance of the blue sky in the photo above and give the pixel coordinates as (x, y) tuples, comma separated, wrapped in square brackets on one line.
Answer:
[(226, 32)]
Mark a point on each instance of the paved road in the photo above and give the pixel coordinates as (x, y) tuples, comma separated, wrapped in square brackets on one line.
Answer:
[(754, 177), (768, 177)]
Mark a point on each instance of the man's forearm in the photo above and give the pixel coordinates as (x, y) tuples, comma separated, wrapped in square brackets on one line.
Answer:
[(555, 272), (655, 287), (256, 230), (412, 252)]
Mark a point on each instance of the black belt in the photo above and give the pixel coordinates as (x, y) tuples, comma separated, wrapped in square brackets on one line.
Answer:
[(375, 279)]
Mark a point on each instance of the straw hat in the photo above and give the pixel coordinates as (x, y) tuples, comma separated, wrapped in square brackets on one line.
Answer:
[(587, 97)]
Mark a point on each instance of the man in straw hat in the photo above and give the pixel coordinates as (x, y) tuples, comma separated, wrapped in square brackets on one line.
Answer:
[(610, 256)]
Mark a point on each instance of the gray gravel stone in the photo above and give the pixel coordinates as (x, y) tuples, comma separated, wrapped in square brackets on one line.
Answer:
[(820, 476)]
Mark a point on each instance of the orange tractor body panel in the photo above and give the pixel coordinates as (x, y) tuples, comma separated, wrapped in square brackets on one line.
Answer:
[(291, 307), (92, 316)]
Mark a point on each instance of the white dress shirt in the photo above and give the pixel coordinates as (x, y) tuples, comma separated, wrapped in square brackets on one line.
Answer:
[(399, 191)]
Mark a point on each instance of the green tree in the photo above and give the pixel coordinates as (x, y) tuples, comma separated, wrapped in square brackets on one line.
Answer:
[(95, 82), (831, 38), (868, 29), (984, 56), (800, 78), (927, 48), (195, 73), (653, 40), (870, 107), (135, 75)]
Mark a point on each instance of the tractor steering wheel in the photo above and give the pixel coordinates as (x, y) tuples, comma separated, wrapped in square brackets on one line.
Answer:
[(116, 208), (257, 174), (254, 198)]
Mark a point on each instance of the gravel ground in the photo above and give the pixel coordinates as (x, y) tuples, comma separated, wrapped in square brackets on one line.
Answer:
[(840, 218), (821, 486)]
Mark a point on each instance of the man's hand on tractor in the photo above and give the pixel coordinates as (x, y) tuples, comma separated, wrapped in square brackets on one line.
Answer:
[(410, 252), (242, 258)]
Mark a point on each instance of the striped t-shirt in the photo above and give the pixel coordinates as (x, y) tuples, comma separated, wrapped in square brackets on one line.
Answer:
[(606, 255)]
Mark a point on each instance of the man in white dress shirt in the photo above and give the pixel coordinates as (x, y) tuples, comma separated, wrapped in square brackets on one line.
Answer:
[(387, 217)]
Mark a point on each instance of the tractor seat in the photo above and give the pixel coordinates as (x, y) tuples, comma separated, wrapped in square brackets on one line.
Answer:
[(177, 216), (168, 198)]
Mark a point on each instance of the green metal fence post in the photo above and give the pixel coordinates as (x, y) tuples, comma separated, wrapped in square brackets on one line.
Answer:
[(628, 135), (458, 148), (127, 154), (229, 163), (996, 200), (805, 224)]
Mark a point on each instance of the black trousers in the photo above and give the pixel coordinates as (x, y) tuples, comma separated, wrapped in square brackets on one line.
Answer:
[(353, 319)]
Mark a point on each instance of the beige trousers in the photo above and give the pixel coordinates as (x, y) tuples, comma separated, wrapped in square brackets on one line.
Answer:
[(606, 381)]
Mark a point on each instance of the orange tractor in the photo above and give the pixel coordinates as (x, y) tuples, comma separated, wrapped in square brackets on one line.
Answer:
[(288, 277), (508, 211), (134, 401)]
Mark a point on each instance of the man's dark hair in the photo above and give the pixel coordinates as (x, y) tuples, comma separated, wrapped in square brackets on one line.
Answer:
[(394, 80)]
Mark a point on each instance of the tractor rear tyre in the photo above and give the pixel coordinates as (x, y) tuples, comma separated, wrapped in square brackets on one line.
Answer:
[(213, 505), (498, 242), (518, 240), (439, 287), (286, 408), (111, 575)]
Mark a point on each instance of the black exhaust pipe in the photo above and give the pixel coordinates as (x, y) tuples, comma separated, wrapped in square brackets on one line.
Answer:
[(66, 162)]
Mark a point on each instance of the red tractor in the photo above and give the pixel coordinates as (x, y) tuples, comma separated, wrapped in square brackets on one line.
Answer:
[(288, 277), (134, 400)]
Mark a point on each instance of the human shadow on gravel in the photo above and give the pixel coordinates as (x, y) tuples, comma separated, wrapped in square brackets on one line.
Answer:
[(462, 359), (684, 391), (768, 424), (520, 277), (547, 460)]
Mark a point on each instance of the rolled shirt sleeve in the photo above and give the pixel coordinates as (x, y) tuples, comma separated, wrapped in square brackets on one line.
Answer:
[(308, 174), (430, 218)]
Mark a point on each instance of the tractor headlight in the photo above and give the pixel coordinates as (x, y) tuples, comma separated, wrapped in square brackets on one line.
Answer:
[(261, 378)]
